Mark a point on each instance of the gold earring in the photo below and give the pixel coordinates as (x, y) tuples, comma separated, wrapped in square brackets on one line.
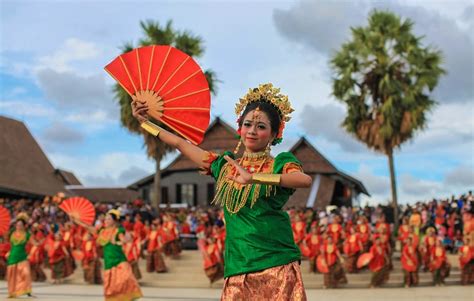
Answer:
[(268, 149), (236, 150)]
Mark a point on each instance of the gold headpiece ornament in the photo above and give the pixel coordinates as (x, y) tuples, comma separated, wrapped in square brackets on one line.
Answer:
[(267, 93), (22, 216), (114, 212)]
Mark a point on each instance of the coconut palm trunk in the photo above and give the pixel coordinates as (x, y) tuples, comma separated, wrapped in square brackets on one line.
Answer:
[(393, 185)]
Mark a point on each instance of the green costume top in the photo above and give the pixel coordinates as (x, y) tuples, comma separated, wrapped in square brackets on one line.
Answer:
[(259, 235), (18, 242), (113, 253)]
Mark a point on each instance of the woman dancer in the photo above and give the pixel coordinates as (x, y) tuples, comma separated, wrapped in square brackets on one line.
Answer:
[(18, 267), (261, 258), (119, 281)]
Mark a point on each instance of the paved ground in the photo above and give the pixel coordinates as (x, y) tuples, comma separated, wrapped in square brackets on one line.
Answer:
[(94, 293)]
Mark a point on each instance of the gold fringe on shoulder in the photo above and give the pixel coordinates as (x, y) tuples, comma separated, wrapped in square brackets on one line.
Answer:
[(234, 196)]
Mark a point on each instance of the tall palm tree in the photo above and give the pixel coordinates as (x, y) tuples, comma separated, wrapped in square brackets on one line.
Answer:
[(154, 34), (384, 76)]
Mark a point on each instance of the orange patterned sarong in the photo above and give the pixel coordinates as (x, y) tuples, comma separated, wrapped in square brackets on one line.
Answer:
[(283, 282), (19, 279), (120, 284)]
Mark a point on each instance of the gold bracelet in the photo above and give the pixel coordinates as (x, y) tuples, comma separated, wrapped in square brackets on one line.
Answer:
[(266, 178), (151, 128)]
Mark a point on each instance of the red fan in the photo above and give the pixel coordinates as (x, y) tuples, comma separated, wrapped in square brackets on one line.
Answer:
[(80, 208), (78, 255), (4, 220), (171, 83), (322, 265), (364, 259)]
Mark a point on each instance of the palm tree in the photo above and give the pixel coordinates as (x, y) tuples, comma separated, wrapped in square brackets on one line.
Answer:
[(384, 76), (154, 34)]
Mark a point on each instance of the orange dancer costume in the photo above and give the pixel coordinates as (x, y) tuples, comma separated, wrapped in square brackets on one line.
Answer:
[(154, 258), (439, 265), (352, 248), (58, 256), (91, 264), (410, 263), (429, 242), (170, 237), (333, 260), (36, 256), (336, 231), (139, 227), (213, 263), (313, 246), (466, 261), (403, 231), (379, 265), (132, 250), (363, 228), (299, 230)]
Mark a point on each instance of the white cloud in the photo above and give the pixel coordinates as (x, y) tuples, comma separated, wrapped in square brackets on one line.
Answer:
[(325, 121), (25, 108), (378, 186), (450, 130), (61, 133), (72, 50), (411, 189), (419, 188), (16, 91), (461, 176), (108, 169), (87, 100), (323, 26)]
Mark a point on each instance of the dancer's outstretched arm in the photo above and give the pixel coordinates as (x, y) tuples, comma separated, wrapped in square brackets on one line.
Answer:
[(194, 153), (90, 229)]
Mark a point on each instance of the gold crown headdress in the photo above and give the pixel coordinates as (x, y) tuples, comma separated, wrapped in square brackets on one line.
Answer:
[(114, 212), (22, 216), (267, 93)]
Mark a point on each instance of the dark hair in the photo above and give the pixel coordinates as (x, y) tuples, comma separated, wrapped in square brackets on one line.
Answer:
[(114, 217), (266, 107)]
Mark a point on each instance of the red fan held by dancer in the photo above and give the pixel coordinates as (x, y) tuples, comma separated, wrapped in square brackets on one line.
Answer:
[(4, 220), (364, 259), (79, 208), (171, 83), (322, 265)]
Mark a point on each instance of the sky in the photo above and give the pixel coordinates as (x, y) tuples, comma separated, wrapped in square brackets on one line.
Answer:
[(52, 55)]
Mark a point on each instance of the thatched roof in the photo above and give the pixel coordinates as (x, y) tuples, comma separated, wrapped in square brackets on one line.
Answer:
[(24, 168), (68, 177)]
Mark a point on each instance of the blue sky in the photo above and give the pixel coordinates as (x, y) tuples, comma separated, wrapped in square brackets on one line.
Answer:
[(52, 55)]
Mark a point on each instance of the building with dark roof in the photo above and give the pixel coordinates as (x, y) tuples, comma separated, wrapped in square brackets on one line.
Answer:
[(25, 171)]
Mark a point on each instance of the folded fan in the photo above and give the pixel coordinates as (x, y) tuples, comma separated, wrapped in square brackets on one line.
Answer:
[(171, 83), (79, 208)]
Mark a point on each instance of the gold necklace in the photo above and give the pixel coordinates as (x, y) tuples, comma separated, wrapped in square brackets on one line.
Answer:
[(258, 155), (235, 202)]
